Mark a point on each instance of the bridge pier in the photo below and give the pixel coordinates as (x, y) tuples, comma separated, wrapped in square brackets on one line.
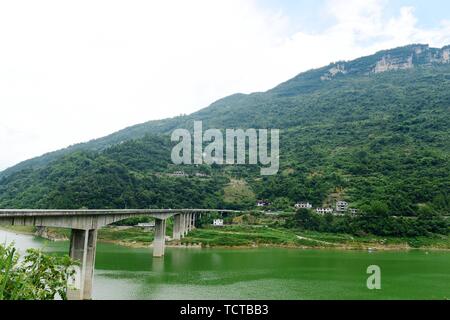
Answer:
[(189, 222), (183, 225), (177, 228), (159, 243), (83, 244)]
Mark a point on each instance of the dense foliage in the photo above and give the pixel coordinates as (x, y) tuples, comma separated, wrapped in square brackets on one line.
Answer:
[(37, 276), (375, 220), (121, 177)]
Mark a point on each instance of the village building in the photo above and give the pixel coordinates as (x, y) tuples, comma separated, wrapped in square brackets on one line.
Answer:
[(178, 174), (147, 226), (303, 205), (263, 203), (218, 222), (324, 210), (201, 175), (341, 206)]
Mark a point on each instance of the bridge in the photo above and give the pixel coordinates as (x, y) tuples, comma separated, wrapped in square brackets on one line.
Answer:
[(84, 225)]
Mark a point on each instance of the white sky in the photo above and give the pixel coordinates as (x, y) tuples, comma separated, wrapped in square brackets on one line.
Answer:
[(71, 71)]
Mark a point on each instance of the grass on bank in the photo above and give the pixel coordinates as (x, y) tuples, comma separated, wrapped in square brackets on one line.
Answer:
[(234, 236), (265, 236)]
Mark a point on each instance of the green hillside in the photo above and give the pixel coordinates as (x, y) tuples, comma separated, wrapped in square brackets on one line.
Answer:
[(373, 130)]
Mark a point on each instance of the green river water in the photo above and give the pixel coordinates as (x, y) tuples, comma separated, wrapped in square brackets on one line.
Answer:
[(186, 273)]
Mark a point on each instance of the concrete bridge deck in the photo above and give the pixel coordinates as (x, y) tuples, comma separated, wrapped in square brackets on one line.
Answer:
[(84, 224), (62, 212)]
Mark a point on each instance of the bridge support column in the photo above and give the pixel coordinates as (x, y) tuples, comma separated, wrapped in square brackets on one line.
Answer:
[(190, 221), (159, 243), (193, 220), (177, 229), (83, 244), (184, 225), (181, 225)]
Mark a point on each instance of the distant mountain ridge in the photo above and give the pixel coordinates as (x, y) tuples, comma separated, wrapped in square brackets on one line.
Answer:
[(402, 58), (222, 113)]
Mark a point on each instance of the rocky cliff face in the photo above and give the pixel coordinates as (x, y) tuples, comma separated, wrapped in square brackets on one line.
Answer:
[(387, 64), (391, 60), (45, 233)]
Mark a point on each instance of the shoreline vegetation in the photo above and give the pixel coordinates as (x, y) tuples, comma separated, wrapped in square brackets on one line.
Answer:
[(242, 237)]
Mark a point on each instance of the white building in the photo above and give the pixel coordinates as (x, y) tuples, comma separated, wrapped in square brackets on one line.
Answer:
[(324, 210), (201, 175), (341, 206), (303, 205), (353, 211), (218, 222), (147, 226), (262, 203), (179, 174)]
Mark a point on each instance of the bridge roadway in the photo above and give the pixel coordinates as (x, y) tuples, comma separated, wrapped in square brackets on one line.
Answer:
[(84, 225)]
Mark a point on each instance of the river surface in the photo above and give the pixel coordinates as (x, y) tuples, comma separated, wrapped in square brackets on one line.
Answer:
[(186, 273)]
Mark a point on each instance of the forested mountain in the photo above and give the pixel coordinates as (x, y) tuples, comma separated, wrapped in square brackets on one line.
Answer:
[(376, 129)]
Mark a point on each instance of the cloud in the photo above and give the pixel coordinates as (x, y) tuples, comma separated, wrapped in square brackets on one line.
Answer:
[(73, 71)]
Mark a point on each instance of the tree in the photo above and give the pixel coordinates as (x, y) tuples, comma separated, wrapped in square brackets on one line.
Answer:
[(307, 220), (282, 203), (431, 221), (379, 209)]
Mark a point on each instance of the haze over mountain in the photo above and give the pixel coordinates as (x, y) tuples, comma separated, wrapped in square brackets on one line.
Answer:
[(376, 128)]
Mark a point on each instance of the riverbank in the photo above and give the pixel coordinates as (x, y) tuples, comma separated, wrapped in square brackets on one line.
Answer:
[(251, 237), (248, 237)]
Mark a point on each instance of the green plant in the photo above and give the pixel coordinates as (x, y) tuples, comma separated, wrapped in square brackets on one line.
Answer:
[(37, 276)]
